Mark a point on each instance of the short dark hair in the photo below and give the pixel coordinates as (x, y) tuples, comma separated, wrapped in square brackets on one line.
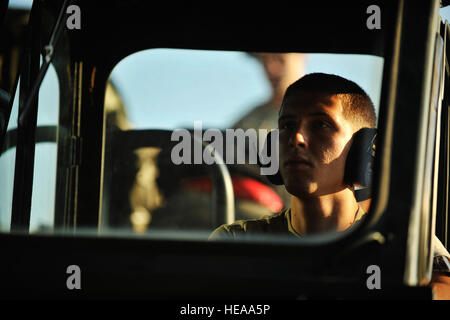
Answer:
[(358, 107)]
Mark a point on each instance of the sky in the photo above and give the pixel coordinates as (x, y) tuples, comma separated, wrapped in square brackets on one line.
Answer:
[(155, 85), (190, 82)]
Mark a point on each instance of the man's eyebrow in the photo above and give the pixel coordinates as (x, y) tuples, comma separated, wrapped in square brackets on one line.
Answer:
[(319, 114), (323, 114), (313, 114)]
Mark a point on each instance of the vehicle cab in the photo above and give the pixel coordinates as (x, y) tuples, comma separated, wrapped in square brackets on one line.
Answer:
[(107, 116)]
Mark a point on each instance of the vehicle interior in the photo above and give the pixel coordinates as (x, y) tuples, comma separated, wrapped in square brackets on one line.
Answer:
[(93, 181)]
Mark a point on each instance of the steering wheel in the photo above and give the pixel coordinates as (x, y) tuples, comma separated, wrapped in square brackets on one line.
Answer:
[(222, 211), (127, 141)]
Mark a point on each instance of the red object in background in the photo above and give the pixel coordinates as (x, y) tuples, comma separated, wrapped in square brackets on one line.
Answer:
[(244, 188)]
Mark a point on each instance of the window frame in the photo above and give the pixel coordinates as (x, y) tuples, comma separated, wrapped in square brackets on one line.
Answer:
[(330, 264)]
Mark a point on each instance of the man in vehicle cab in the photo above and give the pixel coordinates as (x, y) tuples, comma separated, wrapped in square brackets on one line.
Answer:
[(280, 69), (319, 115)]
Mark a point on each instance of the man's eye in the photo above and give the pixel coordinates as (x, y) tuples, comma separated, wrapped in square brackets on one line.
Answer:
[(321, 125)]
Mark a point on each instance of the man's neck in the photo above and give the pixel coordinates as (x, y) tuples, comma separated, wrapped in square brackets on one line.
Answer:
[(329, 213)]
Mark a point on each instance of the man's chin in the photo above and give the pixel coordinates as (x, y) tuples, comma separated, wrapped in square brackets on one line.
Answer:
[(302, 190), (311, 190)]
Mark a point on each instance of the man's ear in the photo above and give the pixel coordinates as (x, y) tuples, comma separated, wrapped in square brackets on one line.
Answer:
[(358, 166)]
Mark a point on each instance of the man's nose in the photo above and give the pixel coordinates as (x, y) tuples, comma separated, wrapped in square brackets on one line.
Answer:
[(298, 139)]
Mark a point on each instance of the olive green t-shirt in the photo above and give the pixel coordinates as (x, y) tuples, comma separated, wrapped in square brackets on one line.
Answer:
[(279, 224)]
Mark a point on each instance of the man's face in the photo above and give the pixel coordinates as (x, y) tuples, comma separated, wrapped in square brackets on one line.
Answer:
[(314, 142)]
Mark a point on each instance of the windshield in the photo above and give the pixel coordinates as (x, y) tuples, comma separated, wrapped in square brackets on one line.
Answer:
[(211, 95)]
